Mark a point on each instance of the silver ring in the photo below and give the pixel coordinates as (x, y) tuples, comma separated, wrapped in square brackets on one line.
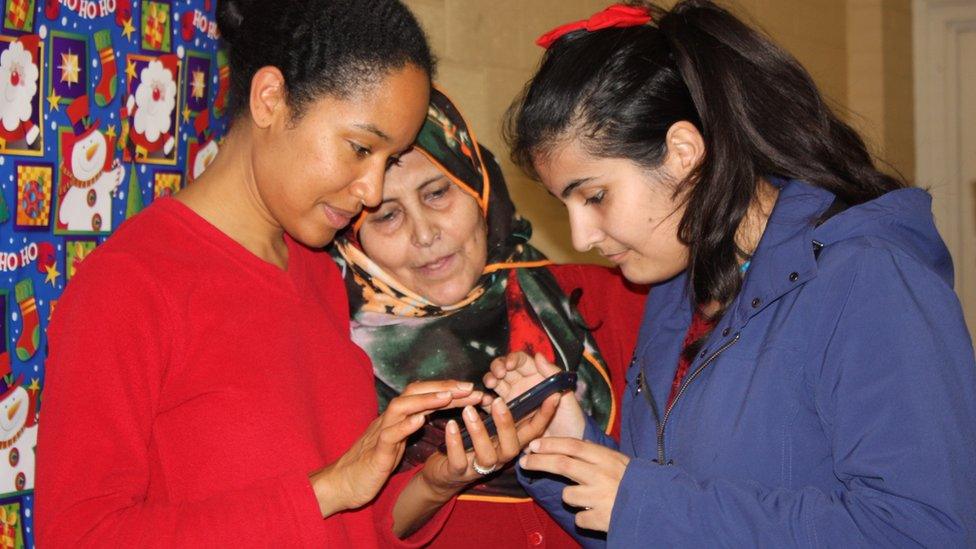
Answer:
[(482, 471)]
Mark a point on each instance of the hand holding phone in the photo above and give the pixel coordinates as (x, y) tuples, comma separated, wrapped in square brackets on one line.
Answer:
[(524, 404)]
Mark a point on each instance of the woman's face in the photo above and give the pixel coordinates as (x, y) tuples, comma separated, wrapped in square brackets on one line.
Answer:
[(626, 212), (427, 232), (315, 174)]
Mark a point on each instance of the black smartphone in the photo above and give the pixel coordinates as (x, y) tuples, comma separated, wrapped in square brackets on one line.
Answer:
[(527, 402)]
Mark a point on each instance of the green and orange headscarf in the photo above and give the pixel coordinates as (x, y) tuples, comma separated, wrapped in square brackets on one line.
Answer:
[(516, 305)]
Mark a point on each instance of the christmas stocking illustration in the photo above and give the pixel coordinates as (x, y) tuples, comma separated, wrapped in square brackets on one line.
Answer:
[(30, 335), (108, 84)]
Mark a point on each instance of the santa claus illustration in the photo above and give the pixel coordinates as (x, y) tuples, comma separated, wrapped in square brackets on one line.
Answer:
[(89, 174), (18, 88), (202, 153), (151, 107), (18, 432)]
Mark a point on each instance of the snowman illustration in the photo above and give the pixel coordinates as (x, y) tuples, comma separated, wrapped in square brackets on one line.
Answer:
[(151, 108), (18, 88), (89, 174), (18, 432)]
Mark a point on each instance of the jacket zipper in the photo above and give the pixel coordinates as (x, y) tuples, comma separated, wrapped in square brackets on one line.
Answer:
[(667, 413)]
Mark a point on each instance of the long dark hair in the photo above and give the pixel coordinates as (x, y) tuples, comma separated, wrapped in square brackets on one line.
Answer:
[(619, 90), (320, 46)]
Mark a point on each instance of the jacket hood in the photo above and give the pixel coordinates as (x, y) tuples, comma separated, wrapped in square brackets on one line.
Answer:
[(901, 220)]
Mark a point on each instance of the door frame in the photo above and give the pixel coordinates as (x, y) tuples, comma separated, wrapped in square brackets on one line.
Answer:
[(937, 25)]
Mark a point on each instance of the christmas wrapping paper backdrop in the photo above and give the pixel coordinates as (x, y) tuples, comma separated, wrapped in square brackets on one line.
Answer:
[(104, 106)]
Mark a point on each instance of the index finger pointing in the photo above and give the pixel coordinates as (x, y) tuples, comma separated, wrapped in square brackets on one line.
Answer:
[(583, 450)]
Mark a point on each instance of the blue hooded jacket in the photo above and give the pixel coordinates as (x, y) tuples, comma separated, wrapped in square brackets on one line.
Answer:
[(834, 405)]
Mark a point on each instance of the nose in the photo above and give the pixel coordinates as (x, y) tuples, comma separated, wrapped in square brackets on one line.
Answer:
[(13, 411), (425, 232), (585, 233), (369, 188)]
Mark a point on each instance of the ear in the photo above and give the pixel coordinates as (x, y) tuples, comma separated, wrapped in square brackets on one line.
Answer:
[(267, 99), (686, 148)]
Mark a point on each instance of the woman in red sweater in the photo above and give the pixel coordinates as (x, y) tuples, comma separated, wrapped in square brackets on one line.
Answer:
[(201, 386), (441, 280)]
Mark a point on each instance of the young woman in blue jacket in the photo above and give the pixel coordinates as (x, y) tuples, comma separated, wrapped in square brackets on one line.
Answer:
[(804, 375)]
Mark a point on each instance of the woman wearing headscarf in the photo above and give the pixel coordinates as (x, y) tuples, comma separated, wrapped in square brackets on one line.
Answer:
[(442, 280)]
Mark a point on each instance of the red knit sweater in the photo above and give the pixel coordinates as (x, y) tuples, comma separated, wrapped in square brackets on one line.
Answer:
[(190, 390)]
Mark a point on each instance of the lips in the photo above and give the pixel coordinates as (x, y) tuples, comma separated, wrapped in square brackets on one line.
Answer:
[(437, 266), (338, 218), (616, 257)]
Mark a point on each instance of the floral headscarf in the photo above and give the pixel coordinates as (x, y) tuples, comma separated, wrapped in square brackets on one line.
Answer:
[(516, 305)]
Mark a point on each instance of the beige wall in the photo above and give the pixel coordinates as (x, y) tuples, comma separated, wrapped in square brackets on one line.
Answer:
[(859, 52)]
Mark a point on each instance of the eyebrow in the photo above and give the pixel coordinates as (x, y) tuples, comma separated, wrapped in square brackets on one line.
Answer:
[(568, 189), (419, 187), (373, 129)]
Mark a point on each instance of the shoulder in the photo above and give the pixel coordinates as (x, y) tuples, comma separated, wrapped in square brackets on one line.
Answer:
[(895, 302), (876, 262), (157, 240), (134, 270)]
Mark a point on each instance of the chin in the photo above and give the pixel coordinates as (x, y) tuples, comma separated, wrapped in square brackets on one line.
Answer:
[(313, 238), (443, 297), (644, 274)]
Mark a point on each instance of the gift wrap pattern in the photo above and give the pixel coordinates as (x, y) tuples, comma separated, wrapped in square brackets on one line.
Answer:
[(104, 106)]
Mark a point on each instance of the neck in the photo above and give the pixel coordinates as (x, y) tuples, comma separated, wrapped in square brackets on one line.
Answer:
[(226, 195), (750, 231), (753, 225)]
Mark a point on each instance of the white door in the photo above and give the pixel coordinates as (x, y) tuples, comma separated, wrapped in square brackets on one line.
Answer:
[(945, 130)]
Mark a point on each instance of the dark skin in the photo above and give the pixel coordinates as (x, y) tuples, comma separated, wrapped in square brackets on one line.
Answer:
[(308, 176)]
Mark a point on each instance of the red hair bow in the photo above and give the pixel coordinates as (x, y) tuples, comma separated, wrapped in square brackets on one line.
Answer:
[(617, 15)]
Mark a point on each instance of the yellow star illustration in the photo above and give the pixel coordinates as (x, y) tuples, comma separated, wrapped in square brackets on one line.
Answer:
[(130, 70), (69, 68), (199, 87), (186, 113), (53, 101), (35, 385), (128, 29), (110, 132), (52, 274)]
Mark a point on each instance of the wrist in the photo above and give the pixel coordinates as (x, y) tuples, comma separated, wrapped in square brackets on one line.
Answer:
[(435, 491), (327, 491)]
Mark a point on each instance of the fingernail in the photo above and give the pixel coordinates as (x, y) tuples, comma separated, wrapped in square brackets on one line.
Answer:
[(534, 446), (522, 461), (470, 413), (499, 404), (465, 385), (444, 394), (452, 427)]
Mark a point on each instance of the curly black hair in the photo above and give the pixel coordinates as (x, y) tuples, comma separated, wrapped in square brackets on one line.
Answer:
[(321, 47)]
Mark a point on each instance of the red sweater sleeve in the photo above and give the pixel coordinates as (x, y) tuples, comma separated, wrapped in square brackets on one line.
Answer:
[(110, 341), (612, 307)]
